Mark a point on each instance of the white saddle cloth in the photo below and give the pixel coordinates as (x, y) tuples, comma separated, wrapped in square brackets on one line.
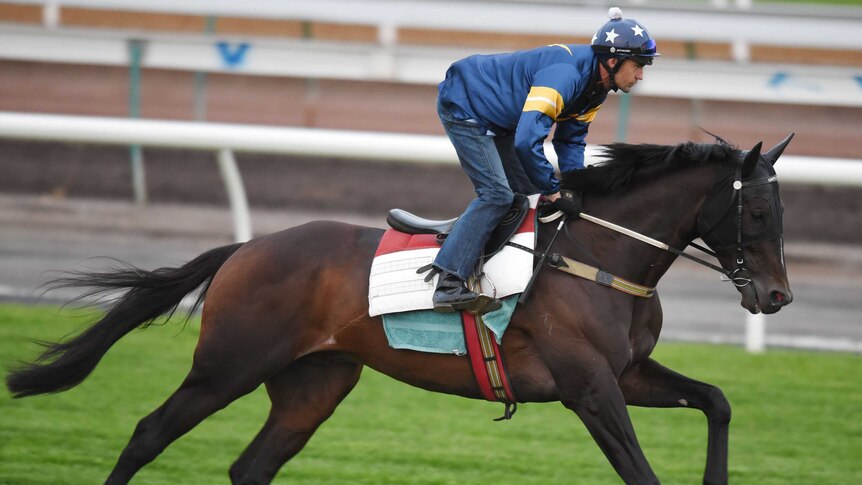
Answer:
[(394, 285)]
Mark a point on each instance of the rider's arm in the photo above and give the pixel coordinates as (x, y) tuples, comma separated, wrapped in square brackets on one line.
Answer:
[(551, 86), (570, 141), (533, 128)]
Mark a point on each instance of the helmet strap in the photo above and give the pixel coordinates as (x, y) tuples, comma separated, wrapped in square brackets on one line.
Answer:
[(612, 72)]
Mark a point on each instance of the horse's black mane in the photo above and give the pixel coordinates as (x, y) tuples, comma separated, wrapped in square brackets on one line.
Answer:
[(625, 161)]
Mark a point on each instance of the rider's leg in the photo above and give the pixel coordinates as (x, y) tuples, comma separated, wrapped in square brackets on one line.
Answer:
[(458, 256)]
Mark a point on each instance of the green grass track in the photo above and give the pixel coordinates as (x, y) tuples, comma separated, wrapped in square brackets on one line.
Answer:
[(797, 419)]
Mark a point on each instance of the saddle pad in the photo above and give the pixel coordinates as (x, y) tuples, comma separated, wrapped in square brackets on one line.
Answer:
[(394, 286), (441, 333)]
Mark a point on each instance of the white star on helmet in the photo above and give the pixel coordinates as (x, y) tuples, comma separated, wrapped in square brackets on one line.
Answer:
[(638, 30), (611, 36)]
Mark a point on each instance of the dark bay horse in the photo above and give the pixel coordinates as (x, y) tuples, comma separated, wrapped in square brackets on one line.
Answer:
[(290, 310)]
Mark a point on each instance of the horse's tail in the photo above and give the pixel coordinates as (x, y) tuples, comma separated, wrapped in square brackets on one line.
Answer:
[(148, 295)]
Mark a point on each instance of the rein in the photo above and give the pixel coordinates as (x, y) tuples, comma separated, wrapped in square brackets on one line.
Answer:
[(658, 244)]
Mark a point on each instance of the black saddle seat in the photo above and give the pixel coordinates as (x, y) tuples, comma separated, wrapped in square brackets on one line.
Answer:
[(403, 221)]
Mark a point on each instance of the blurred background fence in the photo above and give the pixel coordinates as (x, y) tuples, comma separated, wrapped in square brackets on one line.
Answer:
[(747, 71)]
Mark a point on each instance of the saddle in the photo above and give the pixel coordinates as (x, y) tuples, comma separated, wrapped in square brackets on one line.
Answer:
[(408, 223)]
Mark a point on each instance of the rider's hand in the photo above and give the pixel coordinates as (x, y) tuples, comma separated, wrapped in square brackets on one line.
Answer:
[(568, 201)]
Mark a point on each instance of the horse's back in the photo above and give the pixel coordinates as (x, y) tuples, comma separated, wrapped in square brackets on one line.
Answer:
[(281, 286), (314, 245), (329, 240)]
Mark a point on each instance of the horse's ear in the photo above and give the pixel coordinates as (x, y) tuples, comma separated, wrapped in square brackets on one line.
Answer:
[(751, 159), (772, 155)]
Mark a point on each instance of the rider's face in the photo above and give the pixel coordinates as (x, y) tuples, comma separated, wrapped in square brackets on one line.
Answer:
[(629, 73)]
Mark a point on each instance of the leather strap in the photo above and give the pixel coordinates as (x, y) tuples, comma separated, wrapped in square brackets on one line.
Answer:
[(576, 268)]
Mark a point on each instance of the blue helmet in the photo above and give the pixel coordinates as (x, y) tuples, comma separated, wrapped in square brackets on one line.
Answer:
[(624, 39)]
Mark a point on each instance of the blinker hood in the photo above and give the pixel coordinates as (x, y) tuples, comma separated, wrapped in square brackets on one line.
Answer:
[(719, 220)]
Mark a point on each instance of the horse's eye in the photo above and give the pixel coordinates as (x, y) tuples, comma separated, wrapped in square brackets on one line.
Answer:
[(758, 215)]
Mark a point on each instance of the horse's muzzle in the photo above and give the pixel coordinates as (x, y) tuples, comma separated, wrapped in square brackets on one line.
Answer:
[(757, 299)]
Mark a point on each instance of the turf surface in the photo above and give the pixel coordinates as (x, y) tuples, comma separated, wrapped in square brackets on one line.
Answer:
[(796, 419)]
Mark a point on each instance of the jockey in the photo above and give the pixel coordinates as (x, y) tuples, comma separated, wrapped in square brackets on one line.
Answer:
[(497, 111)]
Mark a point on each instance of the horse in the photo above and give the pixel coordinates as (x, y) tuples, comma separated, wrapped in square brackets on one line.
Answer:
[(290, 310)]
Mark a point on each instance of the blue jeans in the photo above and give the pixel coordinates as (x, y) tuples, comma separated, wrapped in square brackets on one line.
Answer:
[(481, 161)]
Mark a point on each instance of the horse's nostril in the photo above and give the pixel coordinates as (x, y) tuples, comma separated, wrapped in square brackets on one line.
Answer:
[(780, 299)]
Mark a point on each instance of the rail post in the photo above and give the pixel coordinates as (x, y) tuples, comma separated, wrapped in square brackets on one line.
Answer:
[(755, 333), (236, 195), (139, 179)]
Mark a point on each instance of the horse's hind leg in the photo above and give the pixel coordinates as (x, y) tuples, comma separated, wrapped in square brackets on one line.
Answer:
[(198, 397), (303, 396)]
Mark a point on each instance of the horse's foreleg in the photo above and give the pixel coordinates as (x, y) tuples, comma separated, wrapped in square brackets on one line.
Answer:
[(588, 386), (650, 384), (303, 396)]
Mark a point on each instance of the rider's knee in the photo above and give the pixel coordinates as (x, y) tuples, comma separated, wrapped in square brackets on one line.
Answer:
[(501, 197)]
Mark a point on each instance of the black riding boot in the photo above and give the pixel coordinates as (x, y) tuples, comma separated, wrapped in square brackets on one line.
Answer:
[(452, 295)]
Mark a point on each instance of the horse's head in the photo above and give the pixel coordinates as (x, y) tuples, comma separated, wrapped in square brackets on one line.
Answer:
[(741, 221)]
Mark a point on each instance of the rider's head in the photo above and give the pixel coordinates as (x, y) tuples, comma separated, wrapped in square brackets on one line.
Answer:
[(622, 39)]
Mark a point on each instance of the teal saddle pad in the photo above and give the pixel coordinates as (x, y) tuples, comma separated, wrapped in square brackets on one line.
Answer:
[(441, 333)]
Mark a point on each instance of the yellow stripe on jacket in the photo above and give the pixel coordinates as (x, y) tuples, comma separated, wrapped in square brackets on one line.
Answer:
[(562, 46), (589, 116), (545, 100)]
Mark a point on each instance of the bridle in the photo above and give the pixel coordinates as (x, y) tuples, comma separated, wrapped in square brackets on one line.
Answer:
[(714, 228), (712, 225)]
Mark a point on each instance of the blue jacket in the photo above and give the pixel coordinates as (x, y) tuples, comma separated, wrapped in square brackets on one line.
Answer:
[(526, 92)]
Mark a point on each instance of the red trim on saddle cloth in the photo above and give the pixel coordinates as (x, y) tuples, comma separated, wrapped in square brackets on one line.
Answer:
[(486, 360), (529, 224), (394, 241)]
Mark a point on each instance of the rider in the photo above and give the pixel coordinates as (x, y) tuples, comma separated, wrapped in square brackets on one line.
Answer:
[(497, 111)]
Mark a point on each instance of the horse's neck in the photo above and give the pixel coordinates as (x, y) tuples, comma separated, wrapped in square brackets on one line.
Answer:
[(664, 209)]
